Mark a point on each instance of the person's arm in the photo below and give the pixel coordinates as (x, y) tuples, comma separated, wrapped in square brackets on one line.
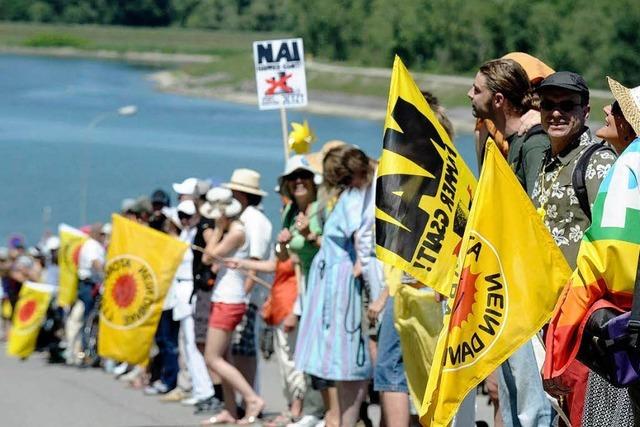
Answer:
[(533, 153), (375, 308), (266, 266), (213, 237), (229, 243)]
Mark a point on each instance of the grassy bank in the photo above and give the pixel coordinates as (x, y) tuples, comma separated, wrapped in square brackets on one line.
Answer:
[(226, 59)]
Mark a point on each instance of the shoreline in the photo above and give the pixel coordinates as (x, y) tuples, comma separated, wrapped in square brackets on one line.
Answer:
[(179, 83)]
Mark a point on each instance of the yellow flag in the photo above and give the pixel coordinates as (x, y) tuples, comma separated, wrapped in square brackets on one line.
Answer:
[(511, 274), (141, 263), (424, 188), (28, 317), (71, 240)]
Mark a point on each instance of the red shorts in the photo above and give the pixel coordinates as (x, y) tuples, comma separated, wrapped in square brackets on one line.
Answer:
[(226, 316)]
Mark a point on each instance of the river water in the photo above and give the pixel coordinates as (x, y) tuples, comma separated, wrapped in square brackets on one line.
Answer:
[(45, 140)]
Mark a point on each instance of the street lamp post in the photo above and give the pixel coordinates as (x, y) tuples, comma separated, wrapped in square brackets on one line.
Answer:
[(124, 111)]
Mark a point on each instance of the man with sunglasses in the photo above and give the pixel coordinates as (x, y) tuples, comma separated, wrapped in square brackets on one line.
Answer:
[(566, 187)]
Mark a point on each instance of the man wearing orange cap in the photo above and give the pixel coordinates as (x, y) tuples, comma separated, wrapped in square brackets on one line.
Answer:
[(501, 94)]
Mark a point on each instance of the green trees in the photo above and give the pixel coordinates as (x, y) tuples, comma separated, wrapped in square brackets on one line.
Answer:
[(593, 37)]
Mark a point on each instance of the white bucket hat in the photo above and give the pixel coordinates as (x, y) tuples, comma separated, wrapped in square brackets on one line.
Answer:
[(187, 187), (172, 215), (296, 163), (629, 100), (246, 181), (220, 202), (187, 207)]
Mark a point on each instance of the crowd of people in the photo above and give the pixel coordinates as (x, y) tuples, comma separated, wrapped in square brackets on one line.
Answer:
[(318, 298)]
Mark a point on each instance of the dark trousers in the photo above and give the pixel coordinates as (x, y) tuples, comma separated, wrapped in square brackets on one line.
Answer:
[(167, 341), (85, 294)]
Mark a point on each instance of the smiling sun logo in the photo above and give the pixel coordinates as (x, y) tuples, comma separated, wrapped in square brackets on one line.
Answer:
[(130, 289), (479, 305)]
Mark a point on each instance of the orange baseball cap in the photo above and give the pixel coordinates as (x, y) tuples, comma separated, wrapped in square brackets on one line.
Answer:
[(536, 69)]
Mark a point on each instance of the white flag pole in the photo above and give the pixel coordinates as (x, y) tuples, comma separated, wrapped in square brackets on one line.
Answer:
[(285, 129)]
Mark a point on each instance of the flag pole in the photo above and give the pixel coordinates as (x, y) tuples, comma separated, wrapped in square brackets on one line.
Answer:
[(285, 136)]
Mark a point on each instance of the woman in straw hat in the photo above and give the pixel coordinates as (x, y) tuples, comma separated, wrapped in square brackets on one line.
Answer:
[(229, 300), (332, 344), (605, 405)]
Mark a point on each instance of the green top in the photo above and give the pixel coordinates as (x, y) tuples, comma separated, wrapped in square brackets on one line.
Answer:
[(526, 154), (305, 249)]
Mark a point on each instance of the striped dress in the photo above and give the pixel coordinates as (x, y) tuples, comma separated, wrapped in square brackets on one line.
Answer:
[(331, 341)]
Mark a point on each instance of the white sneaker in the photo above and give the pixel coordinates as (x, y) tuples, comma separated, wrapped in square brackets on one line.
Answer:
[(131, 375), (158, 387), (120, 369), (321, 423), (189, 401), (306, 421)]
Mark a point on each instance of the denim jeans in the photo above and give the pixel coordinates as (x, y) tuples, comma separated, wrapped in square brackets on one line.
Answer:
[(389, 370), (167, 341), (85, 294), (523, 402)]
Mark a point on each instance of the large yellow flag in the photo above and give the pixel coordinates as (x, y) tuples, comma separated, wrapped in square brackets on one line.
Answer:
[(511, 274), (141, 263), (28, 317), (424, 188), (71, 240)]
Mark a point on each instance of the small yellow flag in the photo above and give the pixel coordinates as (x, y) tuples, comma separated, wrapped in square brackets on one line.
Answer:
[(511, 274), (71, 240), (30, 313), (424, 188), (141, 263)]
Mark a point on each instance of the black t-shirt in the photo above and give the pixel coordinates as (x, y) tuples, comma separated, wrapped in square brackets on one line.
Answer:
[(203, 278)]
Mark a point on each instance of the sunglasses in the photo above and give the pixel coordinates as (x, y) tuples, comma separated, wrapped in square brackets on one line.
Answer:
[(615, 109), (302, 174), (565, 106), (182, 215)]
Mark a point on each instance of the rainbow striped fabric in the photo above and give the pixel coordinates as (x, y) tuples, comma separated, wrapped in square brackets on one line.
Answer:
[(607, 261)]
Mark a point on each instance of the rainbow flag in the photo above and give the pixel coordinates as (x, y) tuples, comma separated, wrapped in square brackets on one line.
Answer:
[(607, 261)]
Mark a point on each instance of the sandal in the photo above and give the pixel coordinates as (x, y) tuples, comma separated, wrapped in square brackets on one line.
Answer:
[(280, 420), (252, 412), (222, 417)]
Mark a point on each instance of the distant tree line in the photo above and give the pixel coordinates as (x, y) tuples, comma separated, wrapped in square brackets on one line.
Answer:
[(594, 37)]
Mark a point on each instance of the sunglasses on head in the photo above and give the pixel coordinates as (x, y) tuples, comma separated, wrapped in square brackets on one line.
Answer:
[(565, 106), (182, 215), (302, 174)]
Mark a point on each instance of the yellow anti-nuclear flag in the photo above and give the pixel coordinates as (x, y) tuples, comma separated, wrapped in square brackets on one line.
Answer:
[(510, 277), (29, 315), (141, 263), (424, 188), (71, 240)]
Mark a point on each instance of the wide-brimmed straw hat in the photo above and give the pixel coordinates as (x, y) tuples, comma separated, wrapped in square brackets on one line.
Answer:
[(245, 180), (629, 100), (315, 159), (220, 202)]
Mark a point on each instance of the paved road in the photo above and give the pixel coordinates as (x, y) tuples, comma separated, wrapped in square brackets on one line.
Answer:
[(34, 393)]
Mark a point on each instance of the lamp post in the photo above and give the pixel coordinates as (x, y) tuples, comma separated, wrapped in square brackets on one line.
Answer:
[(124, 111)]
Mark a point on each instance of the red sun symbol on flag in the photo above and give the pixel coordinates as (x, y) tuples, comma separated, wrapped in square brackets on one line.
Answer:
[(75, 256), (124, 290), (465, 297), (27, 310)]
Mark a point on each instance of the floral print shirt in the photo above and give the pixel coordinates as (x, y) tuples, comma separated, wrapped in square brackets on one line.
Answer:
[(554, 191)]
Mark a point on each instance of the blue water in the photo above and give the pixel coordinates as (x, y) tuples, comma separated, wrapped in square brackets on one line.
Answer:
[(47, 105)]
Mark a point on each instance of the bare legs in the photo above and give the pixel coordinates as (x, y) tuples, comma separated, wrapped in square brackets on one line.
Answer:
[(232, 380), (395, 408), (351, 394)]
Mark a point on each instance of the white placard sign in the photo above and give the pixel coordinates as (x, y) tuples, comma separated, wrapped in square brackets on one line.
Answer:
[(280, 74)]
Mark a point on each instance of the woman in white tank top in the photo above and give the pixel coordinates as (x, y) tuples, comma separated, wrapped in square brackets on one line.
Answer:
[(229, 303)]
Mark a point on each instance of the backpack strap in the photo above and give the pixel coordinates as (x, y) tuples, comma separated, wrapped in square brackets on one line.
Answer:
[(579, 180)]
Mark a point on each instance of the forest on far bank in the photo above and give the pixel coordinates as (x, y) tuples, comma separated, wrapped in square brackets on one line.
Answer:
[(593, 37)]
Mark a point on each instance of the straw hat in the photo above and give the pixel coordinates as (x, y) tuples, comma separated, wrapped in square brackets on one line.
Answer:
[(315, 159), (220, 202), (629, 100), (245, 180)]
